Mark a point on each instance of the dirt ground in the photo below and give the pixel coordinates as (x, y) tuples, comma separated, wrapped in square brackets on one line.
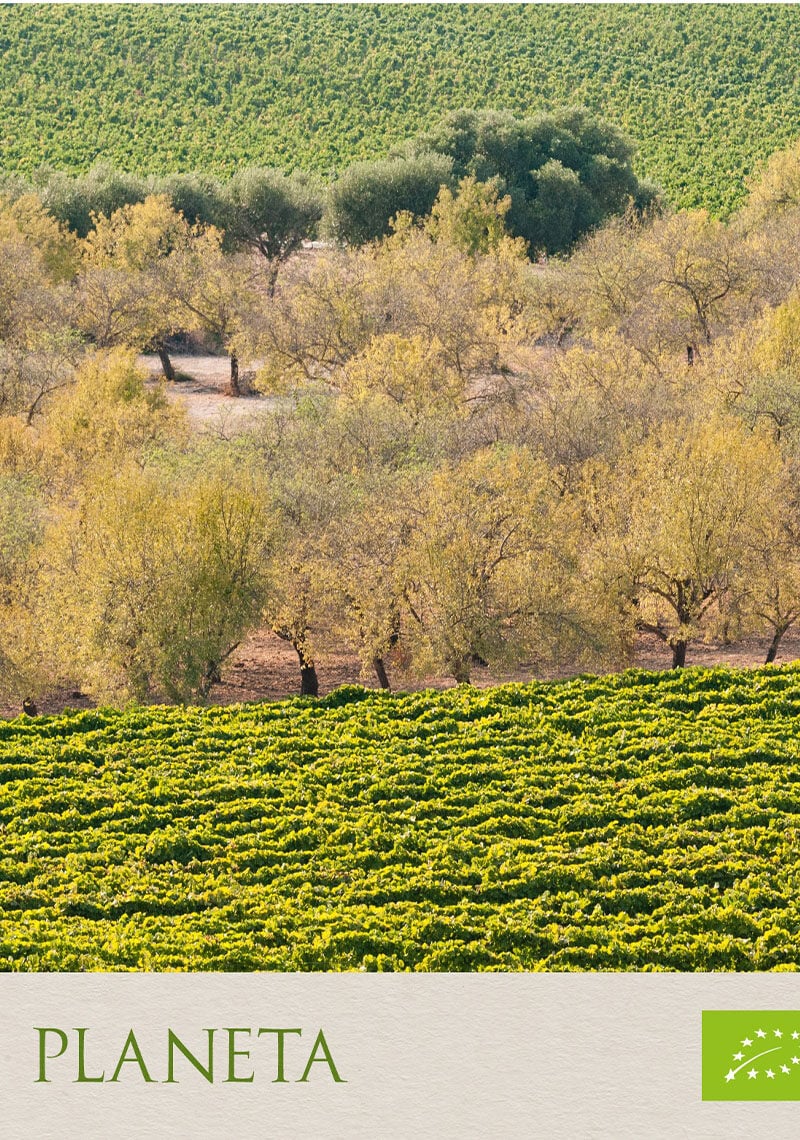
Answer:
[(204, 393), (264, 668)]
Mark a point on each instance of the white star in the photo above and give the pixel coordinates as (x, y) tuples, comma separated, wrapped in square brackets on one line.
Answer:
[(795, 1035), (796, 1060), (760, 1033), (753, 1073), (777, 1032), (747, 1042), (738, 1056), (770, 1073), (730, 1075), (784, 1068)]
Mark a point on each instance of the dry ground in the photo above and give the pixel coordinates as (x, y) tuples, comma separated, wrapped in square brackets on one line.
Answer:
[(266, 668), (204, 393)]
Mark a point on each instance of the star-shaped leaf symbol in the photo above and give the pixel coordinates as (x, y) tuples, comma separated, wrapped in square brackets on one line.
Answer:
[(738, 1056), (784, 1068), (777, 1033), (747, 1042), (753, 1073), (770, 1073), (730, 1075), (760, 1033)]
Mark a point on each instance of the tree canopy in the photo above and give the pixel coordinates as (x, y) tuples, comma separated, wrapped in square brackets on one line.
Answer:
[(362, 203), (564, 171)]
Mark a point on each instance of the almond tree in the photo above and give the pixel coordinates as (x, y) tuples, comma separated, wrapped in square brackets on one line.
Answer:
[(666, 284), (148, 584), (123, 294), (673, 523), (215, 293), (488, 564), (38, 348)]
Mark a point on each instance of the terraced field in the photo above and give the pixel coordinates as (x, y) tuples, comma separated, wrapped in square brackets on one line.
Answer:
[(645, 821), (706, 90)]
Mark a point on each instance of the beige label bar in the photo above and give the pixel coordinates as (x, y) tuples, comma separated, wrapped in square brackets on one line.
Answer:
[(572, 1056)]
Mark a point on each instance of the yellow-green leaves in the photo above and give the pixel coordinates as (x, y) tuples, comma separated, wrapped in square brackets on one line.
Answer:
[(149, 580), (680, 512)]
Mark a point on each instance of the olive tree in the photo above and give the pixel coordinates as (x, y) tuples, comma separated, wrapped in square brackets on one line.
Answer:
[(363, 201), (565, 171), (271, 213)]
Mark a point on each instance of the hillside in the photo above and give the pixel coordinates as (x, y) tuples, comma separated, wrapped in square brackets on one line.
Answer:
[(641, 821), (707, 91)]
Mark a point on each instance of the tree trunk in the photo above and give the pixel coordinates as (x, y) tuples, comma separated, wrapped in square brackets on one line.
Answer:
[(212, 675), (678, 654), (234, 389), (166, 363), (380, 672), (774, 645), (272, 276), (309, 682), (459, 671)]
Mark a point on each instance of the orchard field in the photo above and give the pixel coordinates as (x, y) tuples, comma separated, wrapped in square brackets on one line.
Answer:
[(708, 91), (641, 821)]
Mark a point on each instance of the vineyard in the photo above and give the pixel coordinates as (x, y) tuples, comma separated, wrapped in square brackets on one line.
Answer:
[(707, 91), (636, 822)]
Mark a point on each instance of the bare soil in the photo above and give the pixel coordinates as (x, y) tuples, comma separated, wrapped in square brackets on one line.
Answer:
[(264, 668), (203, 390)]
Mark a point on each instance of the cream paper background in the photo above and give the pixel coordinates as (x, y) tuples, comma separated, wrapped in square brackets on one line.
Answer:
[(569, 1056)]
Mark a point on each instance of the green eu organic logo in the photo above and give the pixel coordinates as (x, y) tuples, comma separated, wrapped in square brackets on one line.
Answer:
[(751, 1054)]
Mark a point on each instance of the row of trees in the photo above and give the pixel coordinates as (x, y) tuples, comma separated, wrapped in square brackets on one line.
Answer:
[(146, 273), (136, 557), (472, 459), (564, 173)]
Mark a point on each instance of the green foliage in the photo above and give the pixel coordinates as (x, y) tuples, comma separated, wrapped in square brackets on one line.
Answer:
[(369, 194), (472, 219), (149, 586), (637, 822), (20, 526), (269, 212), (564, 172), (200, 198), (74, 201), (708, 91)]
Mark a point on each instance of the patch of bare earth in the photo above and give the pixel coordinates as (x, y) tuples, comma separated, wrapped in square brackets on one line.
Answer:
[(203, 389), (265, 668)]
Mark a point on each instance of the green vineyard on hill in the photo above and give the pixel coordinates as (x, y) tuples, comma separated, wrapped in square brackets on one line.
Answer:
[(636, 822), (708, 91)]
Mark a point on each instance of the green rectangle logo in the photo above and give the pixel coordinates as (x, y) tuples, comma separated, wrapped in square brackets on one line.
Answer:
[(751, 1054)]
